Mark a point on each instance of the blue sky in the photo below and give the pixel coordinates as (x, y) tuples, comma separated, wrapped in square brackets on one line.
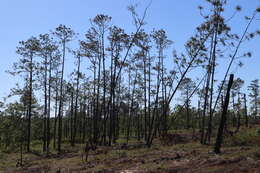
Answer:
[(21, 19)]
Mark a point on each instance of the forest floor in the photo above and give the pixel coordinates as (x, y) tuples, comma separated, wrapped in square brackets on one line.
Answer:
[(240, 153)]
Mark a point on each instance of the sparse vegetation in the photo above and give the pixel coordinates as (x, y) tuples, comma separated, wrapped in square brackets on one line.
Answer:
[(127, 105)]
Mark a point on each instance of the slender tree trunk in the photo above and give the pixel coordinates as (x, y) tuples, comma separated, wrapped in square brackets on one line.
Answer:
[(97, 111), (76, 102), (49, 105), (55, 114), (246, 117), (238, 114), (199, 115), (110, 99), (71, 118), (84, 120), (154, 123), (45, 107), (61, 101), (187, 110), (223, 117), (145, 101), (30, 103), (104, 110), (205, 109), (213, 65), (234, 110), (130, 113), (149, 97), (93, 104)]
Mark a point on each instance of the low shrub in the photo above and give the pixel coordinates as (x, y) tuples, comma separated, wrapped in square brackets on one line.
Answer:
[(258, 132), (245, 138)]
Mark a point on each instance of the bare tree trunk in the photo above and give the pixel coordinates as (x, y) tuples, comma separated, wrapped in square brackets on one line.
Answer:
[(187, 110), (234, 108), (71, 117), (154, 124), (85, 116), (30, 103), (130, 114), (199, 115), (104, 110), (45, 107), (55, 114), (149, 97), (76, 102), (61, 102), (238, 114), (145, 101), (49, 106), (97, 107), (223, 117), (246, 117), (204, 111)]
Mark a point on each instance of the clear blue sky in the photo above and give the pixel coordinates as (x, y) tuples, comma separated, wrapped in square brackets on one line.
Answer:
[(21, 19)]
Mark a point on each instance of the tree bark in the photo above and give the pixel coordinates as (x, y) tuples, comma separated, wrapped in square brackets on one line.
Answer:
[(219, 138)]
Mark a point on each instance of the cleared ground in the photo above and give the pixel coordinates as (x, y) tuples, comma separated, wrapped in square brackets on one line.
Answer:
[(240, 153)]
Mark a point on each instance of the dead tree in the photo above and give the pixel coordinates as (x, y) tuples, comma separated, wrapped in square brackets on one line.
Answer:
[(223, 117)]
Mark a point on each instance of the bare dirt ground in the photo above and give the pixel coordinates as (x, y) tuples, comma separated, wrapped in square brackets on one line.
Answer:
[(188, 157)]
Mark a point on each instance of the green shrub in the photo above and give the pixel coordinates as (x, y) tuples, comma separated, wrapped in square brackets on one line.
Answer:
[(36, 143), (258, 132), (245, 138)]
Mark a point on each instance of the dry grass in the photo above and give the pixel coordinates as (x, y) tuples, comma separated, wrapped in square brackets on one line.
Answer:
[(187, 157)]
